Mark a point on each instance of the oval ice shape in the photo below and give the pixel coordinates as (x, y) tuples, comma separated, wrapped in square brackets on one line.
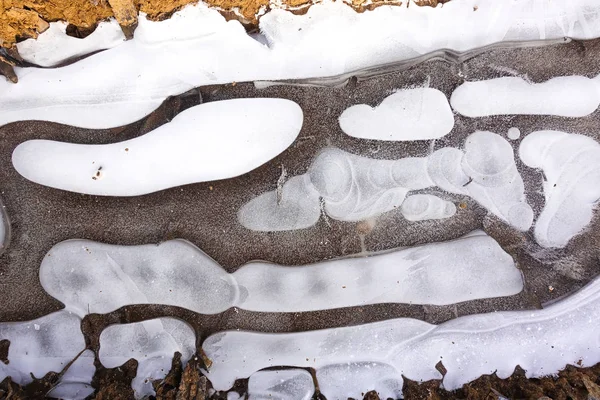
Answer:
[(566, 96), (216, 140), (410, 114), (422, 207), (284, 384)]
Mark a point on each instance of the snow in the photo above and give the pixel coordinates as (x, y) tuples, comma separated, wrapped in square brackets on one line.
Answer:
[(287, 384), (123, 84), (571, 171), (54, 46), (152, 343), (410, 114), (421, 207), (101, 278), (215, 140), (566, 96), (46, 344), (541, 341), (513, 133)]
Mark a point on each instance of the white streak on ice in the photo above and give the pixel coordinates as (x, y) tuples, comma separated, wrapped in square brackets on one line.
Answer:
[(102, 278), (566, 96), (152, 343), (421, 207), (541, 341), (215, 140), (125, 83), (409, 114), (286, 384), (571, 166), (54, 46)]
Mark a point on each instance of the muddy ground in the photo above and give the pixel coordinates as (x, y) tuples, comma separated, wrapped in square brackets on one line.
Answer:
[(205, 213)]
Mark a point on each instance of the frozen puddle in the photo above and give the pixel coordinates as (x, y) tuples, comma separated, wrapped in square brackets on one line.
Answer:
[(410, 114), (355, 188), (48, 344), (152, 343), (541, 341), (125, 83), (54, 46), (101, 278), (285, 384), (211, 141), (565, 96), (571, 168)]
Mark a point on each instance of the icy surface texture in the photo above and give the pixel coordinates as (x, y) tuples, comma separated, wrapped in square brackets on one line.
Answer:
[(541, 341), (356, 188), (353, 380), (54, 46), (45, 344), (152, 343), (420, 207), (75, 384), (567, 96), (487, 172), (207, 142), (571, 171), (125, 83), (287, 384), (101, 278), (410, 114)]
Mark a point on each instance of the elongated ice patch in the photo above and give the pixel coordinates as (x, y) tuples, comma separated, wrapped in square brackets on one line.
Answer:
[(46, 344), (286, 384), (152, 343), (211, 141), (571, 167), (125, 83), (100, 278), (410, 114), (541, 341), (565, 96), (54, 46), (421, 207)]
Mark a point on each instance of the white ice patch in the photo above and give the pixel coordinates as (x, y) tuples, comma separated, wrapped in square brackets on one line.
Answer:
[(101, 278), (75, 384), (295, 206), (565, 96), (54, 46), (542, 342), (421, 207), (152, 343), (571, 167), (353, 380), (486, 171), (216, 140), (123, 84), (46, 344), (286, 384), (410, 114)]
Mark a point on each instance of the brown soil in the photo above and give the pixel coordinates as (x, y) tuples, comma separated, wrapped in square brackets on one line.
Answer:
[(22, 19)]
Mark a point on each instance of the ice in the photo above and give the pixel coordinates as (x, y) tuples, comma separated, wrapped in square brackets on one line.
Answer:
[(295, 206), (75, 384), (286, 384), (566, 96), (215, 140), (493, 179), (571, 168), (353, 380), (152, 343), (54, 46), (409, 114), (420, 207), (513, 133), (43, 345), (93, 277), (542, 342), (355, 188), (199, 47)]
